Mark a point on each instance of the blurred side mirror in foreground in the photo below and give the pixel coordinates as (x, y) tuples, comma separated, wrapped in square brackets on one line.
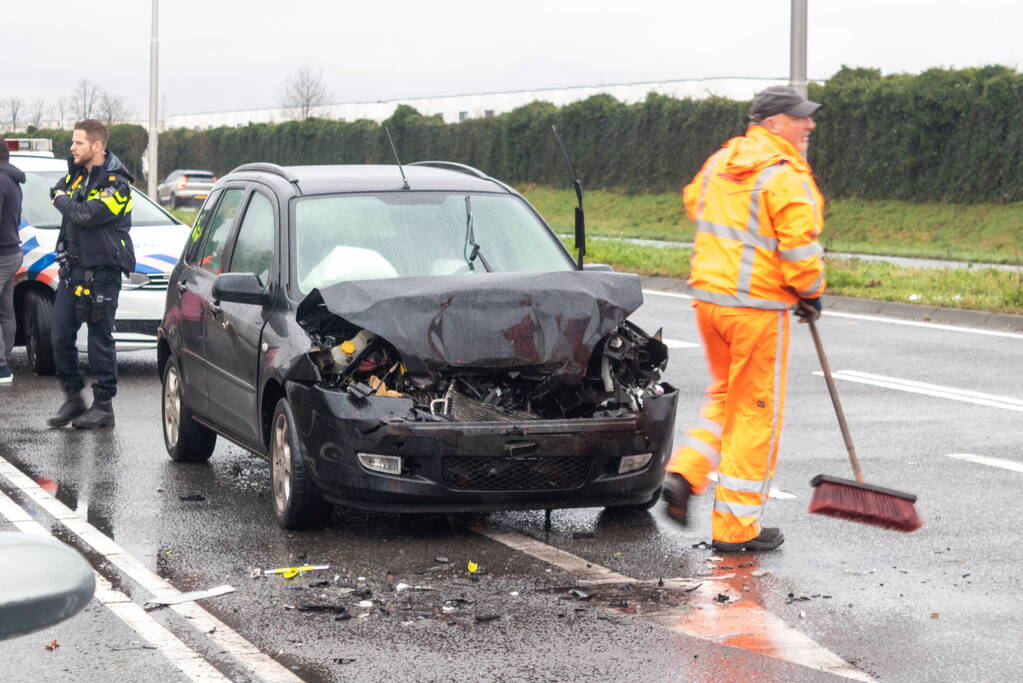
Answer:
[(43, 582)]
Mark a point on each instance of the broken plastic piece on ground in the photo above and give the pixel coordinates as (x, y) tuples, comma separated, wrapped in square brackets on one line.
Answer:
[(722, 598), (365, 603), (178, 598), (715, 558), (487, 617), (52, 645), (292, 572), (442, 560), (322, 607), (579, 595), (514, 594), (342, 660), (934, 615), (192, 498), (406, 587), (472, 567)]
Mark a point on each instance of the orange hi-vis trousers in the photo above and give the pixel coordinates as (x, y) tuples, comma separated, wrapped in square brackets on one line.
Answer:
[(740, 425)]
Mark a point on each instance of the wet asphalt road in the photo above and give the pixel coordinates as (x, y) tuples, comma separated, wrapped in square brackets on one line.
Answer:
[(940, 604)]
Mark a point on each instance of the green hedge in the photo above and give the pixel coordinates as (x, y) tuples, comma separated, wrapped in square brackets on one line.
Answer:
[(953, 135), (127, 141)]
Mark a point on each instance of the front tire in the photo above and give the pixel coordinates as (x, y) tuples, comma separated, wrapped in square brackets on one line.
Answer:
[(298, 502), (186, 439), (38, 319)]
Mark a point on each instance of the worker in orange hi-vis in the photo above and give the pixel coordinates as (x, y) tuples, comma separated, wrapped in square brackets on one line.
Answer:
[(756, 255)]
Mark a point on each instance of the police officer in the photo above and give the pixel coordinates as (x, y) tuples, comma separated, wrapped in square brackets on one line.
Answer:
[(93, 249)]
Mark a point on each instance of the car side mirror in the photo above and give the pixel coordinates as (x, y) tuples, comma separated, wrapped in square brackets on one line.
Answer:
[(602, 267), (43, 582), (242, 288)]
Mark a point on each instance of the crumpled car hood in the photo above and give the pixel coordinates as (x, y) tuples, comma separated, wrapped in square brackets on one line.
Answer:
[(493, 320)]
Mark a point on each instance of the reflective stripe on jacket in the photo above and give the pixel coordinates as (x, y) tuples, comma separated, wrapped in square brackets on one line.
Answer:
[(758, 217)]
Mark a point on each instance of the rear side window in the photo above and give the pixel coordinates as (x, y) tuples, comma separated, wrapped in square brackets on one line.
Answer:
[(212, 254), (254, 250)]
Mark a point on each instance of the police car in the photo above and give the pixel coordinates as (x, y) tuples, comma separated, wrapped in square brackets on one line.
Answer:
[(158, 238)]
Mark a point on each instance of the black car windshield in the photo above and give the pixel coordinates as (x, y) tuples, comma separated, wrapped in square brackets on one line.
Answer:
[(38, 212), (409, 234)]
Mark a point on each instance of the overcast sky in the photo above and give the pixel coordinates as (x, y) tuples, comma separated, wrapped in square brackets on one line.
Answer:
[(220, 55)]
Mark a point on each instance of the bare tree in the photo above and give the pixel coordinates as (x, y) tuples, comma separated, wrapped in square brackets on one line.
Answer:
[(59, 111), (12, 108), (84, 99), (303, 91), (35, 112), (112, 109)]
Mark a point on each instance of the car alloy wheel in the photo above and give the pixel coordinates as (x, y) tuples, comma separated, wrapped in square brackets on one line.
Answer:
[(171, 407), (281, 463)]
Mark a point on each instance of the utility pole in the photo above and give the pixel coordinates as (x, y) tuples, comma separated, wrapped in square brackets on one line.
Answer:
[(153, 157), (797, 50)]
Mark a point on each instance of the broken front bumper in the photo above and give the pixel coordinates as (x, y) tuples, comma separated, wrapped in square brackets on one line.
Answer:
[(478, 466)]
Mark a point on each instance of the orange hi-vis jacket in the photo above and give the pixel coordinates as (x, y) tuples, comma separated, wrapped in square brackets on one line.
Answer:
[(758, 217)]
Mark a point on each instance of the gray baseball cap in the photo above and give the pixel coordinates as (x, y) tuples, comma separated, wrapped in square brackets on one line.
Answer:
[(781, 99)]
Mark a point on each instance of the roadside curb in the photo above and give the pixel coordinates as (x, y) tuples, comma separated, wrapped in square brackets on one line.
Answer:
[(894, 309)]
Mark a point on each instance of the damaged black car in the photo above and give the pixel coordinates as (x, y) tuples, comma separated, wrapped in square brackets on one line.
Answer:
[(411, 343)]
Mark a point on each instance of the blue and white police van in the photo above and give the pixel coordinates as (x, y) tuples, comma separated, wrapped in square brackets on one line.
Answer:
[(158, 238)]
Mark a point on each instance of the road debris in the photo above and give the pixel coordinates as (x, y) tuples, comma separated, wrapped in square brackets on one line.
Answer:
[(704, 545), (442, 560), (431, 570), (487, 617), (934, 615), (342, 660), (178, 598), (401, 587), (579, 595), (365, 603), (52, 645), (760, 572), (292, 572), (722, 598), (322, 607), (472, 567)]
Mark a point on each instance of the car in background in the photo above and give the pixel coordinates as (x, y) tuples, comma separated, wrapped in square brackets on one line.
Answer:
[(419, 346), (185, 187), (157, 237)]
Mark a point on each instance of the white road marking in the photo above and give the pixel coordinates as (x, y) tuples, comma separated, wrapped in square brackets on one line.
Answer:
[(223, 635), (985, 460), (742, 624), (911, 386), (883, 319), (189, 662), (676, 344)]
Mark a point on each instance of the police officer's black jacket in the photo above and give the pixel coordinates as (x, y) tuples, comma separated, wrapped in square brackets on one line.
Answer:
[(97, 215)]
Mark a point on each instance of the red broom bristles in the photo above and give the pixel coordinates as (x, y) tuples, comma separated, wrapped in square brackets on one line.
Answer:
[(865, 504)]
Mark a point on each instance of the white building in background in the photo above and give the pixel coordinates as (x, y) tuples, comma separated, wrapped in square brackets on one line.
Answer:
[(456, 108)]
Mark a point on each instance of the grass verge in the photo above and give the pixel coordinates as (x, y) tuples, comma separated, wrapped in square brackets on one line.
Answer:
[(982, 233)]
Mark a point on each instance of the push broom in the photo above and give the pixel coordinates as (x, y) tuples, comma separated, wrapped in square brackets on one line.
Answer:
[(856, 500)]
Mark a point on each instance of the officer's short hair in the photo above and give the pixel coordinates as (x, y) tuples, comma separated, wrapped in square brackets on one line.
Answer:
[(94, 130)]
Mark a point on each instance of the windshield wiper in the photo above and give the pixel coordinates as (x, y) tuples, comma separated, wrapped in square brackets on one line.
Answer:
[(470, 240)]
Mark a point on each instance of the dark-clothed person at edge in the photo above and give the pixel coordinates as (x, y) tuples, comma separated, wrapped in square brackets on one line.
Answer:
[(11, 179), (756, 255), (94, 247)]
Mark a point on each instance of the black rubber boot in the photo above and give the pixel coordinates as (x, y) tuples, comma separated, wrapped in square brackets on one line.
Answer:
[(101, 414), (676, 491), (769, 539), (72, 407)]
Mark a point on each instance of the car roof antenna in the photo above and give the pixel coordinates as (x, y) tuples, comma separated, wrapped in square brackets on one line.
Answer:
[(580, 217), (404, 180)]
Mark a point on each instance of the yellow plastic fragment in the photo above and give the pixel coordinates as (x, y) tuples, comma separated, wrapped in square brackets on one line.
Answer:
[(292, 572), (473, 567)]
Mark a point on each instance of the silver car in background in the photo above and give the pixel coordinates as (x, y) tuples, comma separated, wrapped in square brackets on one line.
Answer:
[(185, 187)]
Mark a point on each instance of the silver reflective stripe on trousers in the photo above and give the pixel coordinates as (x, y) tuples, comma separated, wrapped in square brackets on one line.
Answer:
[(799, 253), (778, 365), (738, 509), (743, 485), (703, 448)]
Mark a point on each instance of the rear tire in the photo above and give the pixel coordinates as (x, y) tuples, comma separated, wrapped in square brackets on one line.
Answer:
[(38, 318), (186, 439), (298, 502)]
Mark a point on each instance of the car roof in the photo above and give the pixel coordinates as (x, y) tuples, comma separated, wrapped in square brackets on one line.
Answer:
[(186, 171), (313, 180), (28, 162)]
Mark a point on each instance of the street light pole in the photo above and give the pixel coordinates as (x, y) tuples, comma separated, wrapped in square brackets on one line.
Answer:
[(797, 51), (154, 53)]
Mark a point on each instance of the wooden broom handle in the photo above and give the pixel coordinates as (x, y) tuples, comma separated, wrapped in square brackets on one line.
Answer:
[(843, 425)]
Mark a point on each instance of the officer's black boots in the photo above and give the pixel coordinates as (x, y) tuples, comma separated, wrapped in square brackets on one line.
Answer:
[(101, 414), (676, 491), (72, 407)]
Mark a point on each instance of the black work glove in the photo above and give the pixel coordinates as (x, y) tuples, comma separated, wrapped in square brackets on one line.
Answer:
[(808, 310)]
